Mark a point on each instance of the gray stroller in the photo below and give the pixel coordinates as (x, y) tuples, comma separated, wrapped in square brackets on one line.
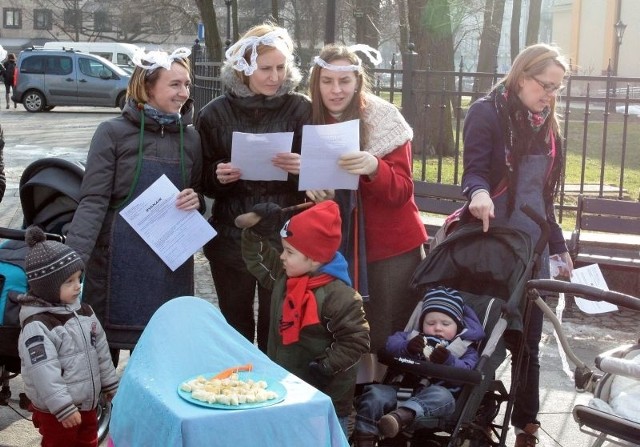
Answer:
[(613, 415)]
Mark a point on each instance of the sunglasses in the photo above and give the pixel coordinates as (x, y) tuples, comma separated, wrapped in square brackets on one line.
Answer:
[(549, 87)]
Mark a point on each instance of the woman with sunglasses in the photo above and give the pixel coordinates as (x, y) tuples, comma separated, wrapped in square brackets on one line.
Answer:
[(512, 156)]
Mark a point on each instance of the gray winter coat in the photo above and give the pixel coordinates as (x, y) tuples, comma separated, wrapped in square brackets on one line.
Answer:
[(64, 356)]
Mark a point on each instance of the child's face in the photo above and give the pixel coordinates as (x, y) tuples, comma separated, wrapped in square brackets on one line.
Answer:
[(439, 325), (70, 289), (294, 262)]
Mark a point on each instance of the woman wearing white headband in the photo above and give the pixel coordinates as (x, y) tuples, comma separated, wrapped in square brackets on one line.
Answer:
[(125, 280), (390, 246), (260, 77)]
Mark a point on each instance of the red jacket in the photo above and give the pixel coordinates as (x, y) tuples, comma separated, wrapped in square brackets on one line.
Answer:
[(392, 221)]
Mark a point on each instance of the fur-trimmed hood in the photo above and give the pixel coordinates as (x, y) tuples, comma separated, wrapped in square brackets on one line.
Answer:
[(233, 83)]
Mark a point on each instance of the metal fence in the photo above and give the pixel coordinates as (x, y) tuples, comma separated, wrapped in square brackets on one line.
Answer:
[(600, 122)]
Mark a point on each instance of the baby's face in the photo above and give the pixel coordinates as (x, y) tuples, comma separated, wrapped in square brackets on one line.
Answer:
[(439, 325)]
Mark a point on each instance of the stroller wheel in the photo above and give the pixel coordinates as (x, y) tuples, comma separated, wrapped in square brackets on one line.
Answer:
[(104, 417)]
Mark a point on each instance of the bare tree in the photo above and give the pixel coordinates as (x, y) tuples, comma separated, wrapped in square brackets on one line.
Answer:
[(514, 39), (489, 41), (430, 30), (119, 20), (211, 33), (274, 11), (533, 26)]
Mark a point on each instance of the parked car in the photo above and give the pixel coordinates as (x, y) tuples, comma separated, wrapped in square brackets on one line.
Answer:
[(119, 53), (49, 78)]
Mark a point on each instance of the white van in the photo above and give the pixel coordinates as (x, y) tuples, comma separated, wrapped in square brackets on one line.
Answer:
[(117, 52)]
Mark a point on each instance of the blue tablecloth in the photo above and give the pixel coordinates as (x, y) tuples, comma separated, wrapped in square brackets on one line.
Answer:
[(189, 336)]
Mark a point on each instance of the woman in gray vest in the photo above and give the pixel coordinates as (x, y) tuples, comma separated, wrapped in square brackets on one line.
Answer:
[(125, 280), (512, 155)]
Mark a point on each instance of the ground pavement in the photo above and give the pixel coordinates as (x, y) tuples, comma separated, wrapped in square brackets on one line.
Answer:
[(588, 335)]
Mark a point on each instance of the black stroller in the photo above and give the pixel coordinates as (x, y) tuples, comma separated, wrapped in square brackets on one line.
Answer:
[(49, 195), (491, 271)]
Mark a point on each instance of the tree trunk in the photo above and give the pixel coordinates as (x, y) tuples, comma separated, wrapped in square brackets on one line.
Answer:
[(515, 29), (489, 41), (211, 32), (533, 26), (404, 25), (430, 30), (274, 11)]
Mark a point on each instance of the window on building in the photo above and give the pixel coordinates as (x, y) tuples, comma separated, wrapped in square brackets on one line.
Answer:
[(102, 21), (12, 17), (42, 19), (72, 19)]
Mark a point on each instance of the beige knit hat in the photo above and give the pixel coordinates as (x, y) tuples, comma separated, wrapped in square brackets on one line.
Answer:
[(48, 265)]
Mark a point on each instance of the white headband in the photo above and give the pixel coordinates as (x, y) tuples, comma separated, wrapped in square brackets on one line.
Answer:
[(156, 59), (235, 54), (3, 53), (374, 56)]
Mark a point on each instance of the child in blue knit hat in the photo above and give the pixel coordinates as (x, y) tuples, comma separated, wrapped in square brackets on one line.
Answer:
[(449, 333)]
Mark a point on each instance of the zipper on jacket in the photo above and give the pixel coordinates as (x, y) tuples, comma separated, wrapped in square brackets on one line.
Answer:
[(86, 346), (162, 131)]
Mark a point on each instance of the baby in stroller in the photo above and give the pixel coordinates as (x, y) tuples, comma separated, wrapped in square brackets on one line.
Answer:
[(448, 334)]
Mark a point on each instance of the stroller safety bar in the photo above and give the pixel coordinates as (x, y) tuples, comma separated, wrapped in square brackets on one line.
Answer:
[(18, 235), (429, 369), (620, 367), (587, 292)]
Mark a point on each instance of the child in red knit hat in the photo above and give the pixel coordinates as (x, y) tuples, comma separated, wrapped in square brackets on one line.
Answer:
[(317, 329)]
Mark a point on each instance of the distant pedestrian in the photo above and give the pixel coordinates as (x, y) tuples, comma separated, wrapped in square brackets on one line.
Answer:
[(65, 361), (7, 71)]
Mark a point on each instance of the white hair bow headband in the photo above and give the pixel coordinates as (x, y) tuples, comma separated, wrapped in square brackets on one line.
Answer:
[(3, 53), (372, 54), (156, 59), (235, 54)]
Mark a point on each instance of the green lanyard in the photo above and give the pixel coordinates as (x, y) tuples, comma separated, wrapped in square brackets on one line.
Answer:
[(139, 161)]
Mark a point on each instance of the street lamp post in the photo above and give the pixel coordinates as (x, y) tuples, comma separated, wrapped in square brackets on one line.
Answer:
[(227, 42), (619, 27)]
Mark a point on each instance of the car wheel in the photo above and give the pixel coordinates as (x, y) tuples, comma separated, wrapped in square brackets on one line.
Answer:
[(34, 101), (122, 97)]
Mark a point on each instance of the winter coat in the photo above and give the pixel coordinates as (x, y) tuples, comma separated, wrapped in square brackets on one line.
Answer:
[(241, 110), (109, 175), (64, 356), (340, 338), (484, 164), (8, 71), (397, 343)]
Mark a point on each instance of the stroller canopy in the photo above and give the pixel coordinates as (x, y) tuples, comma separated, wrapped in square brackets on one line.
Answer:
[(50, 193)]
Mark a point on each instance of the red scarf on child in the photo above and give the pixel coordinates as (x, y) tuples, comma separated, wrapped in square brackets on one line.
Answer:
[(299, 308)]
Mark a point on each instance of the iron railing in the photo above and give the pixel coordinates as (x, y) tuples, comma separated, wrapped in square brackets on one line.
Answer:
[(598, 119)]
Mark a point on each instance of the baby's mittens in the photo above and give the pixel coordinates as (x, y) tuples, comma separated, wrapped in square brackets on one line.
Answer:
[(415, 345), (439, 355), (320, 373)]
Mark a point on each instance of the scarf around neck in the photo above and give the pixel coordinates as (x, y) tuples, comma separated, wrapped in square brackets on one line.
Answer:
[(299, 308), (162, 118), (521, 128)]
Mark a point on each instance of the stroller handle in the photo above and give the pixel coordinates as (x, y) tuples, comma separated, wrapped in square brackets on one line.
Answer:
[(18, 235), (587, 292)]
